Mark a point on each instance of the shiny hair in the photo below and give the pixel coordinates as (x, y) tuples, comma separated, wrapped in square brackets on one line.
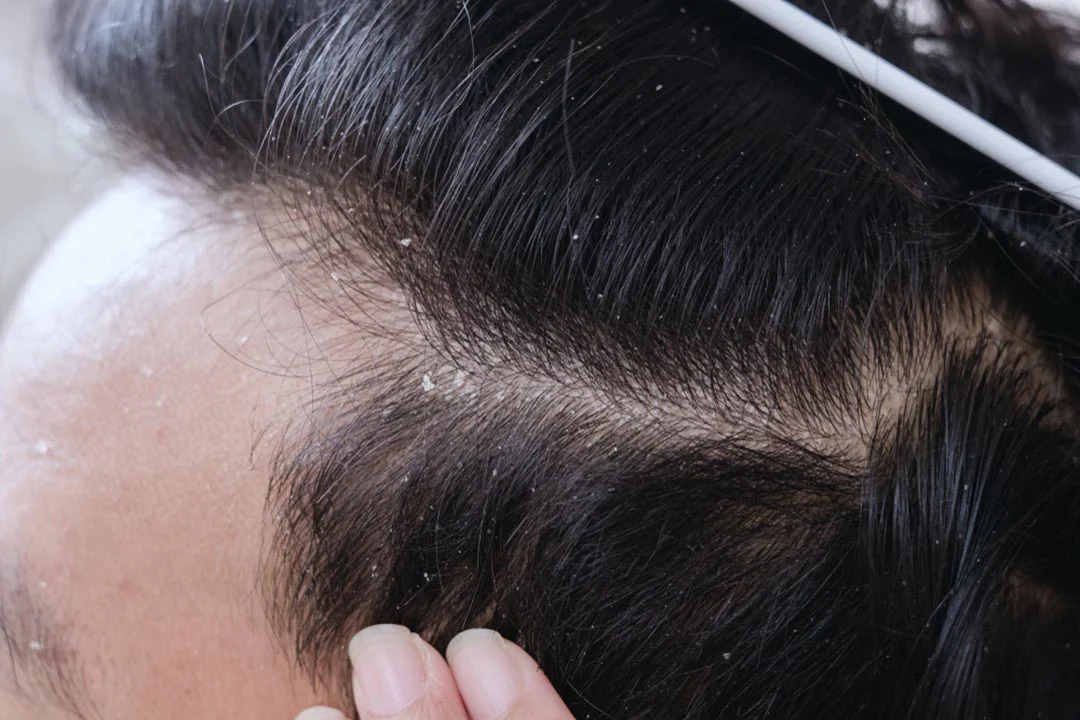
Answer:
[(753, 396)]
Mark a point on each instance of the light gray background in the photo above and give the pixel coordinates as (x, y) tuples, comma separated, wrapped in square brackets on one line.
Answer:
[(46, 172)]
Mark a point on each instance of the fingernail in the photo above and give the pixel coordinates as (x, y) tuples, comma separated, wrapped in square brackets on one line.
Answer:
[(321, 713), (489, 679), (389, 673)]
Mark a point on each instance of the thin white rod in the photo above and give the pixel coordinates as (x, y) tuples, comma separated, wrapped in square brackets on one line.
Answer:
[(918, 97)]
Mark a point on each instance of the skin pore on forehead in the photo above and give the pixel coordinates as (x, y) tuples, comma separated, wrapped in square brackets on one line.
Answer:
[(138, 414)]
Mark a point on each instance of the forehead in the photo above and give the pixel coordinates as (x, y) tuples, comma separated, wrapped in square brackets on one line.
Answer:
[(132, 491)]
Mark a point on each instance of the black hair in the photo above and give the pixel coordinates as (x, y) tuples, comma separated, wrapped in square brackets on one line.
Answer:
[(752, 396)]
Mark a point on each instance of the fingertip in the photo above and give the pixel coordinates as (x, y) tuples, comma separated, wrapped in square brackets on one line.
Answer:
[(321, 713), (397, 674), (487, 675), (389, 670), (500, 681)]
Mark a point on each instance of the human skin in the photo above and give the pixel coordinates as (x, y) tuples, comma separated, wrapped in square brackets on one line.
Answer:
[(132, 502), (146, 375), (483, 677)]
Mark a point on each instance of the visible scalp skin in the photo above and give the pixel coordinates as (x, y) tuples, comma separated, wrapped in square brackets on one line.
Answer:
[(771, 389)]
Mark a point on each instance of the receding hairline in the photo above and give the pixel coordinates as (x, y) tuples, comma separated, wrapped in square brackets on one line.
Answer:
[(587, 306)]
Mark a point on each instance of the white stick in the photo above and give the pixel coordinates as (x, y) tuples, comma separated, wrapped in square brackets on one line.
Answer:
[(918, 97)]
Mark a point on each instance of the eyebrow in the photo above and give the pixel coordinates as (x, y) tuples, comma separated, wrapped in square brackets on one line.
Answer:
[(37, 656)]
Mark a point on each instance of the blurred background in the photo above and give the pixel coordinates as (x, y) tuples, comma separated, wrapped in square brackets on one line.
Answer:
[(47, 173)]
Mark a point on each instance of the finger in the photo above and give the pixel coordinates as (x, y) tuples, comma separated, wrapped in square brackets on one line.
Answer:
[(499, 681), (321, 713), (398, 676)]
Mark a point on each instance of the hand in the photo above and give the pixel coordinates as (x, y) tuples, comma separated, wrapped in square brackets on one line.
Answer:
[(398, 676)]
